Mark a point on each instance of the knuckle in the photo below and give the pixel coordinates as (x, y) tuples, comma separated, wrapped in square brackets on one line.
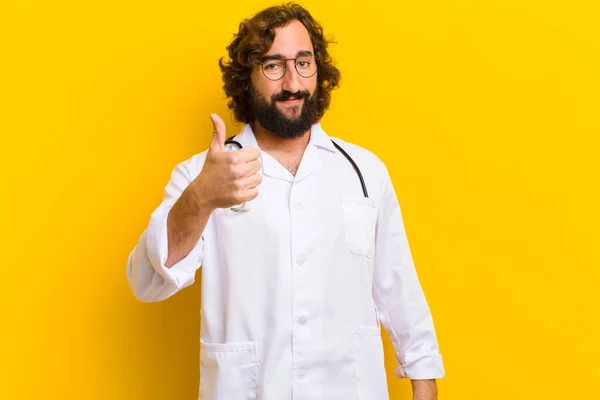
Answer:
[(234, 158), (237, 185), (231, 170), (239, 198), (236, 172)]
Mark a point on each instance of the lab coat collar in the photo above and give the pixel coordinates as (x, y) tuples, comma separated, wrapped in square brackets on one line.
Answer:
[(246, 137), (309, 164), (318, 137)]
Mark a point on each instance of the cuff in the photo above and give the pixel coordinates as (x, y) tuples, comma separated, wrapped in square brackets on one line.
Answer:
[(158, 250), (422, 366)]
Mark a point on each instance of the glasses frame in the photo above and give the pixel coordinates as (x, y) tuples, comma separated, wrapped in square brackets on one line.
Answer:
[(285, 66)]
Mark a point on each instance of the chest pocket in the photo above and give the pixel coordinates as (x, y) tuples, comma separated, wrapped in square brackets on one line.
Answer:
[(360, 220)]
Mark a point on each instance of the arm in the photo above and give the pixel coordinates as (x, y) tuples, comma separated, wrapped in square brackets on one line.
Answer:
[(424, 389), (171, 249), (150, 276), (400, 301), (186, 222)]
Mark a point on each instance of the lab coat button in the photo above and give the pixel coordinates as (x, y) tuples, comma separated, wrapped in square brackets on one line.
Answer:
[(303, 320), (301, 260), (301, 374), (299, 206)]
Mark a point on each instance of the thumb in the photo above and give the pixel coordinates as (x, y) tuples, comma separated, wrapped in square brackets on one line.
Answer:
[(218, 141)]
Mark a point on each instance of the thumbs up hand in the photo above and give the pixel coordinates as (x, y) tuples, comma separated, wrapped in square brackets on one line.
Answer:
[(219, 134), (227, 178)]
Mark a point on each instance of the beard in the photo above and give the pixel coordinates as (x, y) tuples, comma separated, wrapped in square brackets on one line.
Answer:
[(273, 120)]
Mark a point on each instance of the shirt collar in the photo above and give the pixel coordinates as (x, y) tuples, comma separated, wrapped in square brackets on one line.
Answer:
[(319, 138), (246, 137), (311, 162)]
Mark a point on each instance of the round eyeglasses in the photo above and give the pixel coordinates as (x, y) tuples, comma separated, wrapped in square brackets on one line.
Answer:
[(275, 68)]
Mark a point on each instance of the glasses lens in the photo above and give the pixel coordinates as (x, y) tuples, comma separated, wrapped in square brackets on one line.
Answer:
[(306, 66), (273, 69)]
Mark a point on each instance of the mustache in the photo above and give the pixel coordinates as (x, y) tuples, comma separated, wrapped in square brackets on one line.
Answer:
[(287, 95)]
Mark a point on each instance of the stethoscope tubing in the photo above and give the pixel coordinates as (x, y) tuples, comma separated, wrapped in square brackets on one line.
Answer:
[(337, 146)]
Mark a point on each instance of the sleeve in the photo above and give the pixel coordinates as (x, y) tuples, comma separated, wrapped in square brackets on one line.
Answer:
[(148, 277), (399, 298)]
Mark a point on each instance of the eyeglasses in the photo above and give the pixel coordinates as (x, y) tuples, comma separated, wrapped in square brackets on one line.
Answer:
[(274, 69)]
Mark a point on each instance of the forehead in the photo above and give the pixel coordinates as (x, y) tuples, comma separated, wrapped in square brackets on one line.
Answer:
[(291, 39)]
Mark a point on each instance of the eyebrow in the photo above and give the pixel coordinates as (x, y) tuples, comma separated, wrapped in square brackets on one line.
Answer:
[(301, 53)]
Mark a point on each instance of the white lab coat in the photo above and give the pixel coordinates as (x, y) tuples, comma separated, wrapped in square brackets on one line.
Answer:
[(293, 291)]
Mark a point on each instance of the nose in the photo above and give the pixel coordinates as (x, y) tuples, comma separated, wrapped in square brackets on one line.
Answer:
[(291, 79)]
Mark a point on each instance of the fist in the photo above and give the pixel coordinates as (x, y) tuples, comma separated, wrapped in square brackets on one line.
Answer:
[(228, 178)]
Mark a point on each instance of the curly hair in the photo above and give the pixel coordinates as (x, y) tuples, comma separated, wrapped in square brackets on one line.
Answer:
[(251, 43)]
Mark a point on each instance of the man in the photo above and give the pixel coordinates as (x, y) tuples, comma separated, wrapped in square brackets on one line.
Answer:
[(301, 259)]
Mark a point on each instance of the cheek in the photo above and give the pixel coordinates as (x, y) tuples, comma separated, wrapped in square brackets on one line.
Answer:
[(311, 85), (263, 86)]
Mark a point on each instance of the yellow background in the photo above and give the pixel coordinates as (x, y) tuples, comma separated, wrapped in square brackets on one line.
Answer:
[(486, 113)]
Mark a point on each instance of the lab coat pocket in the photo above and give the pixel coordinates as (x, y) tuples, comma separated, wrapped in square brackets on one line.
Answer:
[(228, 371), (360, 219), (371, 376)]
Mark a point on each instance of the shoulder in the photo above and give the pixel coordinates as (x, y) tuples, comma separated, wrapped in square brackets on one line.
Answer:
[(365, 159), (372, 168), (193, 165)]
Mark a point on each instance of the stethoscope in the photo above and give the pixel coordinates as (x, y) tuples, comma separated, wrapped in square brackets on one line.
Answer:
[(232, 145)]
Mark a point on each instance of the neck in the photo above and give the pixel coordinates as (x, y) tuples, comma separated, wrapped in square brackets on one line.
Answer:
[(270, 142)]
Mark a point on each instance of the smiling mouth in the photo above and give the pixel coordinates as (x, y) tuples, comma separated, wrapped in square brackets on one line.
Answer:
[(292, 101)]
